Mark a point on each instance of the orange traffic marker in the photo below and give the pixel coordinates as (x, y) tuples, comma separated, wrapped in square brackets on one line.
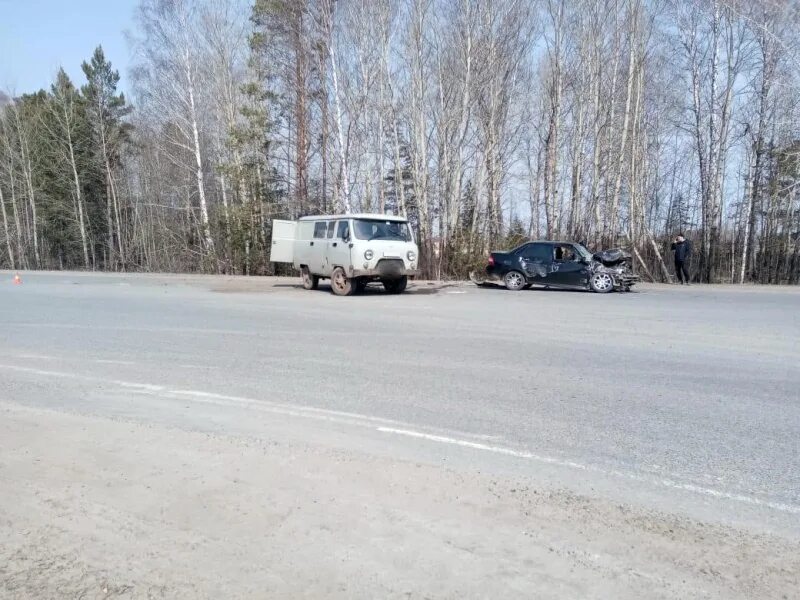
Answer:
[(17, 279)]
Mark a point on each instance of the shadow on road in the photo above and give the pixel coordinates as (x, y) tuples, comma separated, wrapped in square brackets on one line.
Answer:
[(376, 289)]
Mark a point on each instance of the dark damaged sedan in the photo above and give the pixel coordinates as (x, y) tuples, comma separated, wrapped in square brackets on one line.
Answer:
[(560, 265)]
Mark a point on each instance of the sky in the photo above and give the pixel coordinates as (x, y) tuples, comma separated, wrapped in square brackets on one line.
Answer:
[(39, 36)]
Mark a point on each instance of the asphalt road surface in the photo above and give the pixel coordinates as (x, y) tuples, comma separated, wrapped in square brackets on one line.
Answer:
[(176, 436)]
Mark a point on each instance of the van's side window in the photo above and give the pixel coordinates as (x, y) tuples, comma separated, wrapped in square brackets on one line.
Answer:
[(320, 228), (331, 228), (342, 230)]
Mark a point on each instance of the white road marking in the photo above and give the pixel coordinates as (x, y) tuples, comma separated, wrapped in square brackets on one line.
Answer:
[(689, 487), (220, 399), (393, 427), (106, 361), (140, 329)]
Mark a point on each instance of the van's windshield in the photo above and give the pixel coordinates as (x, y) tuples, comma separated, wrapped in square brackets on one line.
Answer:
[(369, 229)]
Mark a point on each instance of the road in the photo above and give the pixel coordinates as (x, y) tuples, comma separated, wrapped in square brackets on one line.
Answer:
[(179, 436)]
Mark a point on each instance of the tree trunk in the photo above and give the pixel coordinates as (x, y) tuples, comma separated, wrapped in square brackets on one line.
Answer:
[(198, 157), (110, 261), (300, 114), (344, 177), (28, 171), (577, 175), (78, 200), (5, 229), (614, 216), (15, 211)]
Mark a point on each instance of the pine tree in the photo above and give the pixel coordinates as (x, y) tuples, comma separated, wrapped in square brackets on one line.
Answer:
[(106, 110), (67, 142)]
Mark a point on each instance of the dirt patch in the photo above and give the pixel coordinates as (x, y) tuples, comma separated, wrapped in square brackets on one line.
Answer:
[(95, 508)]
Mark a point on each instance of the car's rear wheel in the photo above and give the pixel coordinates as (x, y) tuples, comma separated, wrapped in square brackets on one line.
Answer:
[(602, 283), (310, 282), (341, 284), (514, 281), (395, 286)]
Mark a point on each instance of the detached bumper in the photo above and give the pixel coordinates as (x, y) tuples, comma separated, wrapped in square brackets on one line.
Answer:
[(493, 274), (626, 279), (486, 276)]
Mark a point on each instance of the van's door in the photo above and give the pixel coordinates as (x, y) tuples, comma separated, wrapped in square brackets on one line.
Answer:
[(282, 249), (339, 246), (318, 251)]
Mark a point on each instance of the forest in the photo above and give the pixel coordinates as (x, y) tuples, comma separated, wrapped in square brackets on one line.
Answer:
[(617, 123)]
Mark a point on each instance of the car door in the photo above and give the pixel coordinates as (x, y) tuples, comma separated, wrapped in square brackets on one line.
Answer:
[(536, 260), (568, 268), (339, 246)]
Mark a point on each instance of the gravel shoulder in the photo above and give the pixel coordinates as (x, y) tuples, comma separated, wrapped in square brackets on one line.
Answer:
[(95, 508)]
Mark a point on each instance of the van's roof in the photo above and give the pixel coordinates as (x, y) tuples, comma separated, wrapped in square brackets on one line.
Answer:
[(373, 216)]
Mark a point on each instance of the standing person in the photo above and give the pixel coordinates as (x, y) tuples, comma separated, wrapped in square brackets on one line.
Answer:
[(683, 251)]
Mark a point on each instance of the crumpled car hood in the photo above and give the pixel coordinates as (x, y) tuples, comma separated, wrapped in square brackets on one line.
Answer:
[(612, 257)]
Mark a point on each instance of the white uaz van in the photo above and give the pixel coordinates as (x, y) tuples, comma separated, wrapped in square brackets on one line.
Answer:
[(350, 250)]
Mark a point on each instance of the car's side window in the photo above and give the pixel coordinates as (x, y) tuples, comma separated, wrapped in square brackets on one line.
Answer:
[(320, 228), (564, 253), (342, 230), (526, 252), (331, 228), (537, 252)]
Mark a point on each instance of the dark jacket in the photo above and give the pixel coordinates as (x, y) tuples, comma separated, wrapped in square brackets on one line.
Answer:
[(682, 250)]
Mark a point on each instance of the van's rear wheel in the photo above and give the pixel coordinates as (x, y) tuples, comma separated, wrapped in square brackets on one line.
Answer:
[(395, 286), (341, 284), (310, 282)]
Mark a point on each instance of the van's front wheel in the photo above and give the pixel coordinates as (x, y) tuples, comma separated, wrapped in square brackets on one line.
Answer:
[(341, 285), (396, 286), (310, 282)]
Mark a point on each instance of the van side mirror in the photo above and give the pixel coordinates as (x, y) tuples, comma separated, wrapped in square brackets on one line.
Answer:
[(346, 235)]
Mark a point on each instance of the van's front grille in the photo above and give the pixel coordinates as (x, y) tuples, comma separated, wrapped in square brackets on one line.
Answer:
[(390, 267)]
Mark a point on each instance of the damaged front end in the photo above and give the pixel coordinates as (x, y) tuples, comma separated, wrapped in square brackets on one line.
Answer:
[(617, 264)]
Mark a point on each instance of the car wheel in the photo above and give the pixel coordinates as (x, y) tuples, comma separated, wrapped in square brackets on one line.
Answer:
[(310, 282), (602, 283), (341, 285), (514, 281), (395, 286)]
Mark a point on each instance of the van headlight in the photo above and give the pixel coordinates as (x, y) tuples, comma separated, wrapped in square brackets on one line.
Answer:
[(369, 254), (411, 256)]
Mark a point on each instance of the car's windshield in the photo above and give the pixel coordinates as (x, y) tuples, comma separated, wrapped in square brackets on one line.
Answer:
[(583, 252), (369, 229)]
